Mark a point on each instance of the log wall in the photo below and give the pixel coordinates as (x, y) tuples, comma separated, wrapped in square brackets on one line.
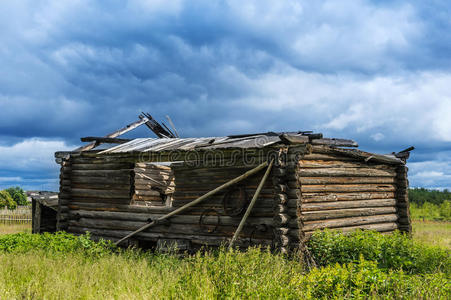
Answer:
[(101, 200), (345, 193)]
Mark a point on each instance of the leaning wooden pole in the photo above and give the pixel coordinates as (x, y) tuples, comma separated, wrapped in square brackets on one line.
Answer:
[(198, 200), (251, 205)]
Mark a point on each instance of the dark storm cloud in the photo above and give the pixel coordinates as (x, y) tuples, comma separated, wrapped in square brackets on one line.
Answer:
[(356, 69)]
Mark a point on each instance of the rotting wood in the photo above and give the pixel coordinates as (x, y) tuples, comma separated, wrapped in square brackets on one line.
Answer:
[(198, 200), (320, 206), (343, 213), (354, 221)]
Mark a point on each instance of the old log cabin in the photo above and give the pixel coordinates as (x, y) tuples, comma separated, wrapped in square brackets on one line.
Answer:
[(144, 189)]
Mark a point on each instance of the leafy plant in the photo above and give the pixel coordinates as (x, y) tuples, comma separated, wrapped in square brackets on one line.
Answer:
[(391, 252)]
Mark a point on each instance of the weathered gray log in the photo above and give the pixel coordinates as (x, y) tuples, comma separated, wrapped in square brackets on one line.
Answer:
[(153, 236), (341, 180), (355, 221), (116, 194), (251, 204), (316, 206), (332, 197), (341, 164), (342, 213), (200, 199), (177, 219), (382, 187), (320, 172), (188, 229), (106, 166)]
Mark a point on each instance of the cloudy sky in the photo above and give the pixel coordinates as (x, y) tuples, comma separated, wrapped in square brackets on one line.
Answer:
[(378, 72)]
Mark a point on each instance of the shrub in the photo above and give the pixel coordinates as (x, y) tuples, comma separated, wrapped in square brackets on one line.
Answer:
[(18, 195), (6, 200), (59, 242), (396, 251), (364, 279)]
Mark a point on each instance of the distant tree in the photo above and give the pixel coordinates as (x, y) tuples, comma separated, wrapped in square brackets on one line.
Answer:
[(18, 195), (6, 200)]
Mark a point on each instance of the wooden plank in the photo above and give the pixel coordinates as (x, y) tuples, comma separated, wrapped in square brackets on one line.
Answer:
[(104, 140), (354, 221), (347, 204)]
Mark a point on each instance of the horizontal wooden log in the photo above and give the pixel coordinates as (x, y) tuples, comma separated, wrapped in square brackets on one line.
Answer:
[(343, 213), (303, 163), (196, 239), (343, 222), (124, 186), (116, 194), (124, 179), (106, 166), (110, 207), (101, 173), (340, 188), (332, 197), (315, 206), (381, 227), (107, 201), (208, 219), (357, 172), (341, 180), (188, 229), (324, 157), (96, 206)]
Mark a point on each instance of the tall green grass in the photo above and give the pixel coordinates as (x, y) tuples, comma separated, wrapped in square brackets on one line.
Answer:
[(62, 266)]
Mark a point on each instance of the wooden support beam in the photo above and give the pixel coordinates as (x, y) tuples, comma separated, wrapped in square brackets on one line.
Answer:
[(251, 205)]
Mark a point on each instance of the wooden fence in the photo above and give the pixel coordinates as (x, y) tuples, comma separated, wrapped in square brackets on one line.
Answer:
[(20, 215)]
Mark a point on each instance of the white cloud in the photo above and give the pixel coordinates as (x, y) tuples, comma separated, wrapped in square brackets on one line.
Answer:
[(31, 155)]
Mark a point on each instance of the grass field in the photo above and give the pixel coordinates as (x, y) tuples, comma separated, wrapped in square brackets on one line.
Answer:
[(43, 274)]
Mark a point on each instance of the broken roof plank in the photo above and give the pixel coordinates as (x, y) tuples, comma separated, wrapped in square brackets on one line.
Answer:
[(335, 142), (106, 140), (114, 134)]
